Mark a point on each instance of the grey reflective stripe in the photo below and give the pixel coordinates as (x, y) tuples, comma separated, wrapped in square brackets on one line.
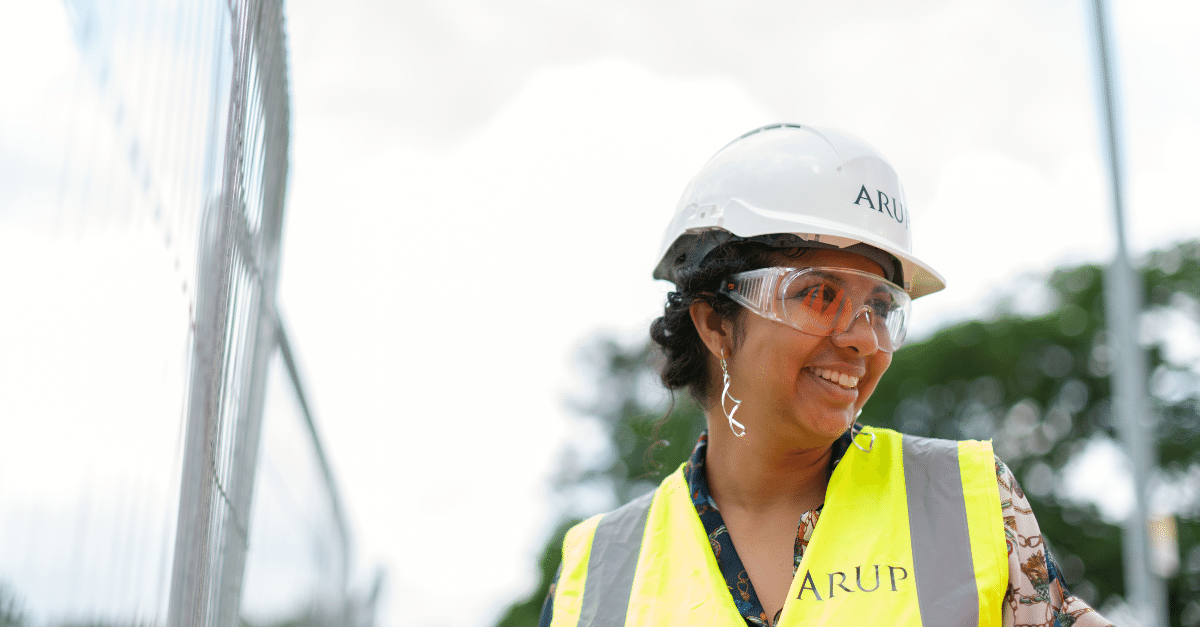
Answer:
[(612, 564), (941, 543)]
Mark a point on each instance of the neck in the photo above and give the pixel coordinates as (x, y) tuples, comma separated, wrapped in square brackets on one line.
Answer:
[(763, 474)]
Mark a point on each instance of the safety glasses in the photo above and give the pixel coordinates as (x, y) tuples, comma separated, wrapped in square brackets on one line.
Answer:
[(824, 301)]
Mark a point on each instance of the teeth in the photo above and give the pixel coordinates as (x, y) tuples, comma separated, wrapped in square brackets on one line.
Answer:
[(839, 378)]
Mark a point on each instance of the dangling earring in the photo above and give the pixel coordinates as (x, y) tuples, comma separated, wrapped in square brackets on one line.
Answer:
[(854, 438), (733, 424)]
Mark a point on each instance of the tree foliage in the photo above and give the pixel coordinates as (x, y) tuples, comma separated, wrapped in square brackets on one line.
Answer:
[(12, 613), (1033, 379), (641, 444)]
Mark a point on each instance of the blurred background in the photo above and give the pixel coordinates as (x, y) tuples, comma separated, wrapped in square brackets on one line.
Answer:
[(474, 198)]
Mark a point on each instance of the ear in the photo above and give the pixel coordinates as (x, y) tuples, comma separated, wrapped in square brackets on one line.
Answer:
[(715, 331)]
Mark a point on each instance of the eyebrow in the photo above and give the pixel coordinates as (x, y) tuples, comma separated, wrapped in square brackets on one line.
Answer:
[(832, 278), (841, 283)]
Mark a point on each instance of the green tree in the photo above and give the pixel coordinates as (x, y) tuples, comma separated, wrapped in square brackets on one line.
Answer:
[(12, 614), (1034, 378), (1039, 386), (640, 444)]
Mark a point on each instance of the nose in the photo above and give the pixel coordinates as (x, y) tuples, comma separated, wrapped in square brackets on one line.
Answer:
[(860, 337)]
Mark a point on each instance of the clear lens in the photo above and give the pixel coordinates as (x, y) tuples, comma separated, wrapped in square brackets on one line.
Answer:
[(824, 301)]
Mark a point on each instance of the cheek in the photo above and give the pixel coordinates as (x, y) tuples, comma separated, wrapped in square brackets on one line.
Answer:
[(878, 365), (884, 360)]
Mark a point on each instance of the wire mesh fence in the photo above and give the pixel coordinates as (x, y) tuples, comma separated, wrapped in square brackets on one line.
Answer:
[(159, 463)]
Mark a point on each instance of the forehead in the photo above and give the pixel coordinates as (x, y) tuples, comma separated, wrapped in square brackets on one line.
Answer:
[(831, 259)]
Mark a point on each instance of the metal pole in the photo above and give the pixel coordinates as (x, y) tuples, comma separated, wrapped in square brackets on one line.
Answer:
[(1144, 591), (335, 499)]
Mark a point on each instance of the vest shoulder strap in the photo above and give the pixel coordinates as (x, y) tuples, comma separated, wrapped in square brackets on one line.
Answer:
[(600, 559), (937, 522)]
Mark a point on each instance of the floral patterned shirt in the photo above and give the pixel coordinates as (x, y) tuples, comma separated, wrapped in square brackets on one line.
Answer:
[(1037, 596)]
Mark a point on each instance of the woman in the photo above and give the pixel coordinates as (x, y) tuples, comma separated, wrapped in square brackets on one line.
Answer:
[(791, 256)]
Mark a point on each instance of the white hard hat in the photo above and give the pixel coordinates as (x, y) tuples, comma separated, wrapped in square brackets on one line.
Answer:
[(791, 185)]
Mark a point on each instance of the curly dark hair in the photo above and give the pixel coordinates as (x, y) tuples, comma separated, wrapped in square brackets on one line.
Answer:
[(685, 357)]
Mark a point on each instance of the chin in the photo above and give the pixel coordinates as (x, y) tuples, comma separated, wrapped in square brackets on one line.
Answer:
[(830, 426)]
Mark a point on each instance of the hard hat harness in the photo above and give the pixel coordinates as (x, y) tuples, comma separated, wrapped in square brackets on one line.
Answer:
[(709, 241)]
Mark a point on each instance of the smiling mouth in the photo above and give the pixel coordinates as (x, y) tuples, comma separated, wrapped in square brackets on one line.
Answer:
[(840, 378)]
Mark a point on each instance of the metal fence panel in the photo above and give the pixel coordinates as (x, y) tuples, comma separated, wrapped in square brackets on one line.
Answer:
[(139, 254)]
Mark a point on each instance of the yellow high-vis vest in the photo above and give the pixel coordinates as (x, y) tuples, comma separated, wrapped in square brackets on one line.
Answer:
[(910, 534)]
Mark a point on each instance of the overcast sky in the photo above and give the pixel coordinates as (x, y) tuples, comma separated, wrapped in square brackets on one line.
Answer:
[(478, 187)]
